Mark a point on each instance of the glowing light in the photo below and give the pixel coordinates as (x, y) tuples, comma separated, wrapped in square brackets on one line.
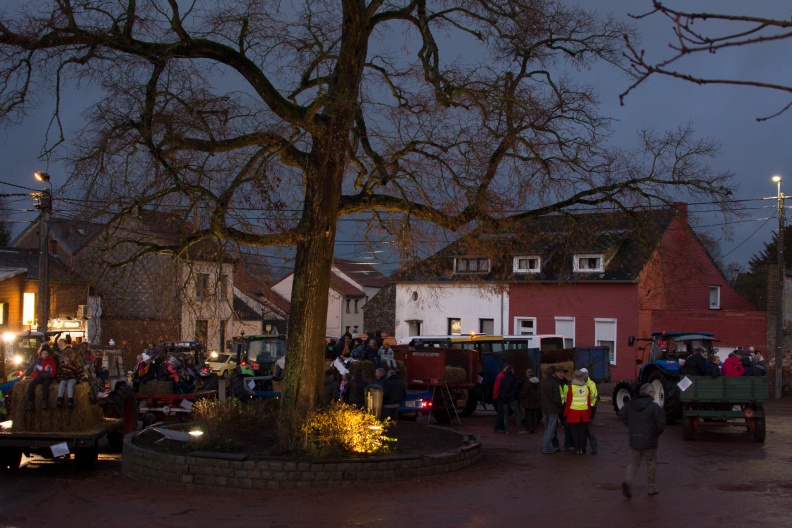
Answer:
[(17, 360), (196, 433), (8, 337), (29, 308), (7, 424)]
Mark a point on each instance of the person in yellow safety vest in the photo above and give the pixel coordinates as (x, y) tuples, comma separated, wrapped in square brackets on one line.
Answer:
[(577, 411), (592, 440)]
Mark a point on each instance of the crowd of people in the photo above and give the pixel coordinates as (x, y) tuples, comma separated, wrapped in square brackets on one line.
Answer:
[(740, 362), (62, 364), (180, 369)]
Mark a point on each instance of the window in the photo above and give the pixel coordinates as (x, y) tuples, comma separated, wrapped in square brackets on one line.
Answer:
[(414, 327), (588, 263), (714, 297), (525, 325), (487, 326), (348, 304), (201, 286), (4, 314), (471, 265), (356, 305), (605, 335), (527, 264), (28, 308), (201, 330), (223, 286), (565, 326), (454, 326), (414, 296)]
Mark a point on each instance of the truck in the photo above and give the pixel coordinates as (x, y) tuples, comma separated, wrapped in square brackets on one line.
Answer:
[(733, 400), (659, 360)]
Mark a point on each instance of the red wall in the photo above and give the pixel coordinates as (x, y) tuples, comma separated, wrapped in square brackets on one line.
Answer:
[(584, 302)]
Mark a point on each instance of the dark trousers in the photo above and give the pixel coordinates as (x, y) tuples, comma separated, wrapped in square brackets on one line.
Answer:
[(500, 410), (567, 432), (45, 383), (531, 419), (579, 433)]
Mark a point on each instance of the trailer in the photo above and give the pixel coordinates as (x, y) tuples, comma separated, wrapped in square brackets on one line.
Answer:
[(734, 400), (83, 445)]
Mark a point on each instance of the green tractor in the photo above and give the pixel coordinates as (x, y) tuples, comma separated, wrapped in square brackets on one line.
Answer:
[(256, 369)]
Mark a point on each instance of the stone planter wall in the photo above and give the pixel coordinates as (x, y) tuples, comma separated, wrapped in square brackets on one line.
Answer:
[(217, 471)]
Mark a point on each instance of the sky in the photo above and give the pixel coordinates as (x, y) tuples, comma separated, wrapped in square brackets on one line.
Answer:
[(726, 115)]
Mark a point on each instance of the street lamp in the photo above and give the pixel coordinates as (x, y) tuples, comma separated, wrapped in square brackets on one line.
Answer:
[(779, 354), (45, 208)]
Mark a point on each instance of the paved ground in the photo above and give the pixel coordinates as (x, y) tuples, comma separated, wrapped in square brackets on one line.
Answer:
[(723, 479)]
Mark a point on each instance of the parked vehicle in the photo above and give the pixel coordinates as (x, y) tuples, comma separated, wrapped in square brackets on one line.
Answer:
[(737, 400), (221, 363), (255, 357), (660, 367), (17, 350)]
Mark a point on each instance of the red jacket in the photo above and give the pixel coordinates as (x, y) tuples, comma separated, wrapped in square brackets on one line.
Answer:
[(577, 415), (496, 385), (732, 367), (43, 368)]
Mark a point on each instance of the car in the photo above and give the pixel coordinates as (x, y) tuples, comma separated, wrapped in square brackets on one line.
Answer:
[(221, 363)]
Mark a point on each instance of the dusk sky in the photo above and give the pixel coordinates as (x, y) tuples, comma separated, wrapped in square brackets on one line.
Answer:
[(724, 114)]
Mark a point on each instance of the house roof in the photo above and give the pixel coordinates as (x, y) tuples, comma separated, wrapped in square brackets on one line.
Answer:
[(344, 287), (243, 311), (258, 289), (625, 241), (28, 259), (363, 273)]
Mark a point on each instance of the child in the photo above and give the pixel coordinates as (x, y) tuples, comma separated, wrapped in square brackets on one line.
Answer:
[(42, 371), (386, 357)]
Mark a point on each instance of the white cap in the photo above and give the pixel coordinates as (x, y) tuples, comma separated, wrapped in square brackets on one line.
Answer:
[(584, 369), (146, 357)]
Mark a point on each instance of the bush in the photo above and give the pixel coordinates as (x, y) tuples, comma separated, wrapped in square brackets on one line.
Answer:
[(344, 429), (217, 419)]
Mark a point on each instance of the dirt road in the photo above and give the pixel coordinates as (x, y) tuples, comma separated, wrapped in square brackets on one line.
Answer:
[(723, 479)]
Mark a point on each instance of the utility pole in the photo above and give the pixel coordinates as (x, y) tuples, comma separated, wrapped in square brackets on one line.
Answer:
[(45, 208), (779, 355)]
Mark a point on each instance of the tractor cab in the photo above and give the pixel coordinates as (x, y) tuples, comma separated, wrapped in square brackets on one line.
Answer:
[(17, 350), (678, 345), (256, 354)]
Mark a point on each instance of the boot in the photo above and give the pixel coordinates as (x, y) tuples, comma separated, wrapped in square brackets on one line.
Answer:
[(59, 403), (29, 406), (70, 404), (44, 404)]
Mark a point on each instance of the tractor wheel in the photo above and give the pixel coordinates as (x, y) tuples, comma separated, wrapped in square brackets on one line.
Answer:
[(211, 383), (85, 458), (441, 409), (689, 428), (120, 404), (10, 458), (666, 396), (149, 419), (238, 386), (623, 393), (759, 429)]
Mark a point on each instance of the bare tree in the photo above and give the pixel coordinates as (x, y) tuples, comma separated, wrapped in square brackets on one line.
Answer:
[(268, 121), (708, 33)]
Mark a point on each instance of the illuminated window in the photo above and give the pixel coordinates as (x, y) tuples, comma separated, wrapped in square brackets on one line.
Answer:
[(28, 308)]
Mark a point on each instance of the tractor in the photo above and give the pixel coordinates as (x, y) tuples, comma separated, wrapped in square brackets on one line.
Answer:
[(256, 356)]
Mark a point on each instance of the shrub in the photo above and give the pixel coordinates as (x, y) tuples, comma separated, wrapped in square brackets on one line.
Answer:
[(343, 429)]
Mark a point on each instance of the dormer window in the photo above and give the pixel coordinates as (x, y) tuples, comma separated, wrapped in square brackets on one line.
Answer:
[(471, 265), (589, 263), (527, 264)]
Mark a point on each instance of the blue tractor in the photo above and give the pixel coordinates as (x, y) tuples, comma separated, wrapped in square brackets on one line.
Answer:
[(666, 353)]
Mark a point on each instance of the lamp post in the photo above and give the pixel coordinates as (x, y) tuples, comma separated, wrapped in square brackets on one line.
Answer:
[(45, 208), (779, 354)]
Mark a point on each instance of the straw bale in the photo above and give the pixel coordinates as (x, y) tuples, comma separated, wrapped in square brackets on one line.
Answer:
[(455, 374), (569, 366), (85, 415), (366, 367)]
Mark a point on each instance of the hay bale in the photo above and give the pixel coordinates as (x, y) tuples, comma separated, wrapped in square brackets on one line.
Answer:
[(569, 366), (85, 416), (366, 367), (156, 387), (455, 374)]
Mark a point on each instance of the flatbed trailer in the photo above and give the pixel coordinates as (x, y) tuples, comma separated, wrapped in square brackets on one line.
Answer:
[(84, 445), (737, 400)]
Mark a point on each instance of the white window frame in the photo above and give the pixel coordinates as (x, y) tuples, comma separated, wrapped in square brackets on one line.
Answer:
[(516, 264), (601, 336), (467, 260), (518, 326), (598, 269), (569, 338), (717, 304)]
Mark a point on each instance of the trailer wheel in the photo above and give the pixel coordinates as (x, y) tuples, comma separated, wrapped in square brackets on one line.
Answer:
[(759, 430), (689, 428), (623, 393), (85, 458), (471, 403), (120, 404), (10, 458)]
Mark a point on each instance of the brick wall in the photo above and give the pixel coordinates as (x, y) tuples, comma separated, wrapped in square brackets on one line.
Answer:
[(379, 313)]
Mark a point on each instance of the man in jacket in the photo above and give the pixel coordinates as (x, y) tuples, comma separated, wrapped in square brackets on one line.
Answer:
[(646, 421), (508, 391), (552, 406), (393, 394)]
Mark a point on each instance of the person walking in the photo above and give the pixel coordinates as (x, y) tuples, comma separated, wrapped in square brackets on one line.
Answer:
[(508, 393), (551, 408), (577, 411), (646, 421), (530, 403), (498, 407), (592, 439)]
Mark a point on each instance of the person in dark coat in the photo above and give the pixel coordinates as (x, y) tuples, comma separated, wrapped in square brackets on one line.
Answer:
[(713, 366), (508, 393), (355, 391), (646, 420), (530, 402), (330, 387), (696, 363), (394, 393), (552, 407)]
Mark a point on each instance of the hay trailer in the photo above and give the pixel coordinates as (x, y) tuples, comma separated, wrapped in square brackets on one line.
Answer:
[(62, 432), (726, 400), (451, 374)]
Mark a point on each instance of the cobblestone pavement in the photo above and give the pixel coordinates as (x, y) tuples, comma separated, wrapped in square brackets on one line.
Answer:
[(723, 479)]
